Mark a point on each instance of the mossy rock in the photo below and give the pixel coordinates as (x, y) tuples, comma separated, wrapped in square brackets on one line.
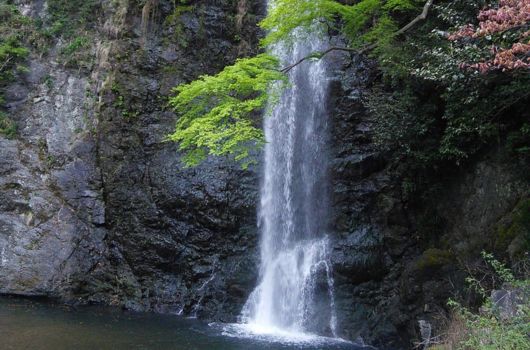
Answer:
[(514, 234), (434, 259)]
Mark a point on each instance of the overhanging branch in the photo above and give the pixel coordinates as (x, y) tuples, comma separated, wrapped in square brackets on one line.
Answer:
[(319, 55), (419, 18)]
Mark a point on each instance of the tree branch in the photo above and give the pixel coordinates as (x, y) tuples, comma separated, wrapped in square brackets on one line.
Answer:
[(419, 18), (319, 55)]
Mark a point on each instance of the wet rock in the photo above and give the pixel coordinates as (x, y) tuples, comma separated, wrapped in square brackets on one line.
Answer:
[(390, 257)]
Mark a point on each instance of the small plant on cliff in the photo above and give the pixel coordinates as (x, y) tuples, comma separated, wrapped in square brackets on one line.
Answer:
[(70, 17), (173, 23), (14, 30)]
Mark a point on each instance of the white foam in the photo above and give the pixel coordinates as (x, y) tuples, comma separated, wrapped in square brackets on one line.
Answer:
[(275, 335)]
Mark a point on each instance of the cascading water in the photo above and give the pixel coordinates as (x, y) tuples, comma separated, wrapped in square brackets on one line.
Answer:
[(295, 292)]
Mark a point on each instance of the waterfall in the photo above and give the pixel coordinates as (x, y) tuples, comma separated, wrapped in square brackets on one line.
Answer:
[(202, 290), (295, 290)]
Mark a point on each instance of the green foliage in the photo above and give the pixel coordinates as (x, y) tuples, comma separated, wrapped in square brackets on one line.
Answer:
[(215, 112), (401, 5), (71, 20), (514, 235), (285, 16), (425, 107), (504, 273), (75, 53), (501, 274), (365, 22), (13, 27), (121, 104), (434, 112), (11, 51), (474, 112), (487, 331), (75, 45)]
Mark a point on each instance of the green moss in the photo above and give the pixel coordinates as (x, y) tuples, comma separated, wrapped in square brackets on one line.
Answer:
[(75, 45), (173, 23), (121, 104), (76, 53), (433, 259)]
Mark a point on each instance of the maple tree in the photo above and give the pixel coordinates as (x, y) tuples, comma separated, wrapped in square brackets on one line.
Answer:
[(507, 26)]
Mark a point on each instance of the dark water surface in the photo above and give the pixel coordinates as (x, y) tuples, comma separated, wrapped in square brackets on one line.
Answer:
[(28, 324)]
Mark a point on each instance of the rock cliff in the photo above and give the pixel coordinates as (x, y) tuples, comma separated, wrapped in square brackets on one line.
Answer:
[(95, 207)]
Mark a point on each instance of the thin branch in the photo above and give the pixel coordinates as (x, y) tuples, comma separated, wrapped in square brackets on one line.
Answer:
[(6, 62), (504, 108), (419, 18), (324, 53)]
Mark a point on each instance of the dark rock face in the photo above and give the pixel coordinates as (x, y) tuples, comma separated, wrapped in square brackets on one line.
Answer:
[(387, 276), (183, 239)]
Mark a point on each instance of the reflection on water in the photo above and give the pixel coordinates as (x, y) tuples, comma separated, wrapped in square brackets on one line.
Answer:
[(26, 324)]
